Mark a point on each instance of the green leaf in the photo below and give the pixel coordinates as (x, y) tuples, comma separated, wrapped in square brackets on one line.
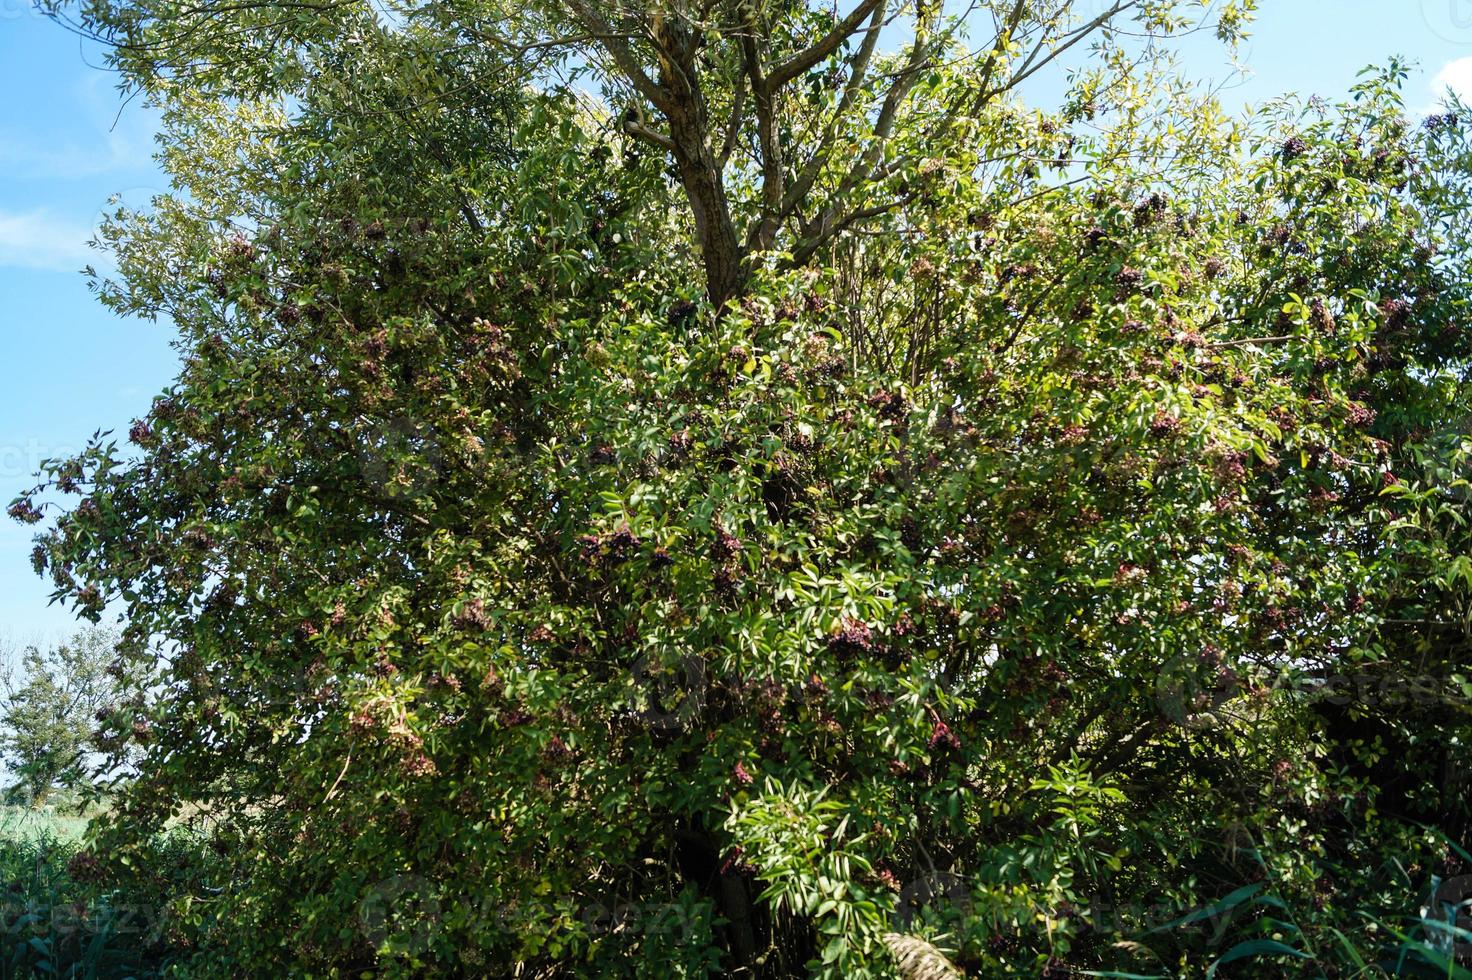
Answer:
[(1254, 948)]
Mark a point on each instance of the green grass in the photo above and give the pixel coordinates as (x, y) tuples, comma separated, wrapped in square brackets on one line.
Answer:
[(52, 925), (19, 823)]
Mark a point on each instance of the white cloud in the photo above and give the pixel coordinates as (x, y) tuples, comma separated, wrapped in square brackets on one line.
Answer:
[(100, 135), (114, 153), (39, 240), (1456, 76)]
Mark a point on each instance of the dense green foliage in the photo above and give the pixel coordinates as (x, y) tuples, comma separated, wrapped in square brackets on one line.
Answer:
[(1049, 545), (59, 919)]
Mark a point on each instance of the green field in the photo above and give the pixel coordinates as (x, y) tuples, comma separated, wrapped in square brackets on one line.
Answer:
[(57, 923), (18, 823)]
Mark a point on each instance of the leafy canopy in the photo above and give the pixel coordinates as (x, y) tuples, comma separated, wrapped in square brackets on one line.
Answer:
[(799, 510)]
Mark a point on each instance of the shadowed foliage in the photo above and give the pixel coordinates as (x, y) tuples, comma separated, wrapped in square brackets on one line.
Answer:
[(694, 492)]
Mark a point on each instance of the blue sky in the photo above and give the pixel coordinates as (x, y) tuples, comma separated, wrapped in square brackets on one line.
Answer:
[(69, 366), (67, 144)]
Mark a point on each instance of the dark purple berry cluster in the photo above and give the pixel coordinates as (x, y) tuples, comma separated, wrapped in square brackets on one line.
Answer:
[(472, 616), (1395, 311), (1359, 415), (853, 638), (24, 511), (556, 752), (1151, 210), (616, 546), (941, 737), (1129, 279), (725, 553), (889, 405), (1164, 425), (681, 314)]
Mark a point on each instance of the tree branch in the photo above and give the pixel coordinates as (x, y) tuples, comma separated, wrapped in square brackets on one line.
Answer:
[(733, 124), (825, 224), (613, 42), (788, 69), (831, 226), (635, 128), (773, 174), (1028, 69), (858, 73)]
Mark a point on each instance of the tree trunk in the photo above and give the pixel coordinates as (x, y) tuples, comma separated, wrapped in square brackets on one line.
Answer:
[(700, 864), (683, 103), (720, 248)]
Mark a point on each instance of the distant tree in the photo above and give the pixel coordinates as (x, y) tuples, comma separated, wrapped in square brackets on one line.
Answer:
[(49, 709)]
